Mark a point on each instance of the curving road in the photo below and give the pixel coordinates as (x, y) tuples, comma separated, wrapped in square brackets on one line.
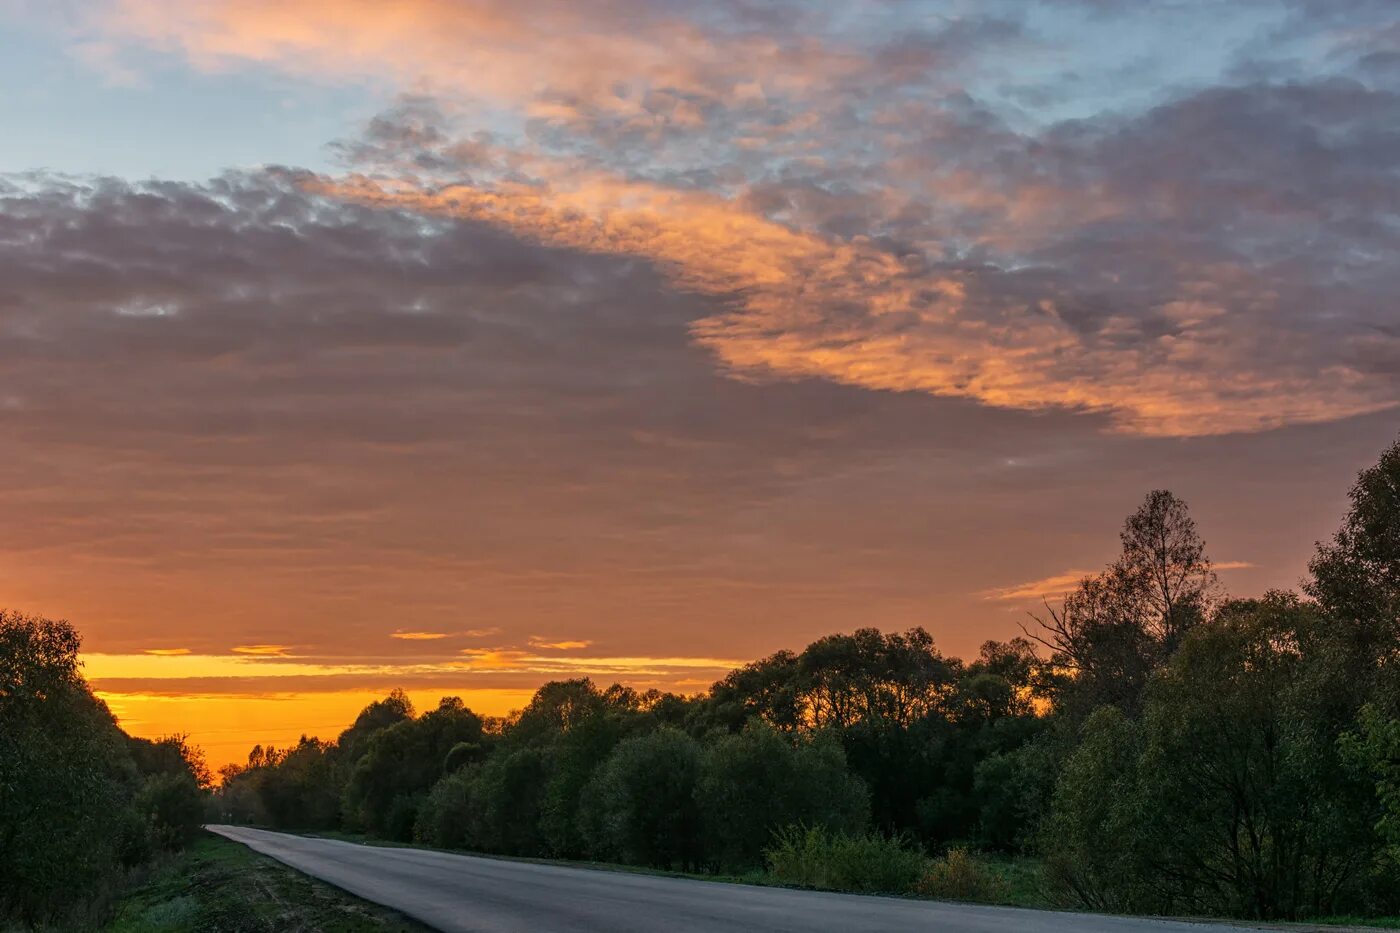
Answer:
[(485, 895)]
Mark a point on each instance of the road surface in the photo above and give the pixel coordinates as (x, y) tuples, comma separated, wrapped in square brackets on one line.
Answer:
[(485, 895)]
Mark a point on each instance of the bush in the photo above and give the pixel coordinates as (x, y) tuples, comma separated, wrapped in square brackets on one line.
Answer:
[(812, 857), (962, 876)]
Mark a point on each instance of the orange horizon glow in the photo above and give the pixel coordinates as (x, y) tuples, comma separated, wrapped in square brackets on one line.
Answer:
[(226, 704)]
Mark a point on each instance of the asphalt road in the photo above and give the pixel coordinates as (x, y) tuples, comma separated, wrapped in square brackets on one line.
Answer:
[(485, 895)]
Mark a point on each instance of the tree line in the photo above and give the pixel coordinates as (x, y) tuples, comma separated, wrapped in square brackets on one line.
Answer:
[(1152, 743), (82, 803)]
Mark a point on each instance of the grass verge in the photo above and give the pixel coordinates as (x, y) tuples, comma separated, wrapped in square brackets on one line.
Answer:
[(217, 884)]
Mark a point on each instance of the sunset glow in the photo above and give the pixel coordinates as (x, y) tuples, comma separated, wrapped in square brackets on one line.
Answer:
[(465, 345)]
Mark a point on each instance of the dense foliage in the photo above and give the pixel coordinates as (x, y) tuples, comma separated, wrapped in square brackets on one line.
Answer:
[(80, 801)]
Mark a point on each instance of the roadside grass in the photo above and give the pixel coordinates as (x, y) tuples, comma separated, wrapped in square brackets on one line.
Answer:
[(1372, 923), (1022, 882), (217, 884)]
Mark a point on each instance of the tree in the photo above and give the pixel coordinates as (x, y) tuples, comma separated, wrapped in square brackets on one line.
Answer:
[(575, 757), (641, 804), (505, 795), (66, 778), (1093, 847), (1356, 576), (1373, 752), (1119, 626), (1231, 796), (395, 708), (401, 763), (299, 790), (757, 782), (172, 805), (172, 754)]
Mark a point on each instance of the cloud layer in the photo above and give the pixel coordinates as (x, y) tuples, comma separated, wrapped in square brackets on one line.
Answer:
[(874, 209)]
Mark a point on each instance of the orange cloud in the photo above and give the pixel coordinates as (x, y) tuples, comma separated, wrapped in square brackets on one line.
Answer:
[(418, 636), (1051, 587), (276, 651), (1059, 585), (516, 660), (549, 58), (915, 331), (166, 652), (538, 642)]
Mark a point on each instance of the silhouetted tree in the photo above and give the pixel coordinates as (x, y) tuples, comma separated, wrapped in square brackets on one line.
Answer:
[(1119, 626)]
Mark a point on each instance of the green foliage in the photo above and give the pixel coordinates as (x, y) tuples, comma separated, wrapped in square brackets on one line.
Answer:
[(758, 781), (493, 807), (1373, 751), (400, 765), (80, 802), (1011, 793), (172, 754), (65, 776), (872, 863), (1091, 837), (640, 807), (575, 755), (445, 817), (961, 876), (461, 755), (1356, 577), (1230, 797), (173, 807)]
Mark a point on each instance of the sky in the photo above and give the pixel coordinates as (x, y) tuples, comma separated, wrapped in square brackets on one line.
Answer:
[(462, 345)]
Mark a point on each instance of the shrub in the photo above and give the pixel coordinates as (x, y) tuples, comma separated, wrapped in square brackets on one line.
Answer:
[(869, 862), (962, 876)]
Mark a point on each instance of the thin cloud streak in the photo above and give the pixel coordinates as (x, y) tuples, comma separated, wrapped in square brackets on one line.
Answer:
[(1059, 585)]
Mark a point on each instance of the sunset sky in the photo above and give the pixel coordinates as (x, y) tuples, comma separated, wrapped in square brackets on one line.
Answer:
[(466, 344)]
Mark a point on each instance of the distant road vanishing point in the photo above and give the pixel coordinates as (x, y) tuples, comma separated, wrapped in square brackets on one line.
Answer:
[(485, 895)]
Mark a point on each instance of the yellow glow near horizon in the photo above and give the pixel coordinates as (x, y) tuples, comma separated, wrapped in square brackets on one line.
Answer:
[(226, 727), (228, 703)]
